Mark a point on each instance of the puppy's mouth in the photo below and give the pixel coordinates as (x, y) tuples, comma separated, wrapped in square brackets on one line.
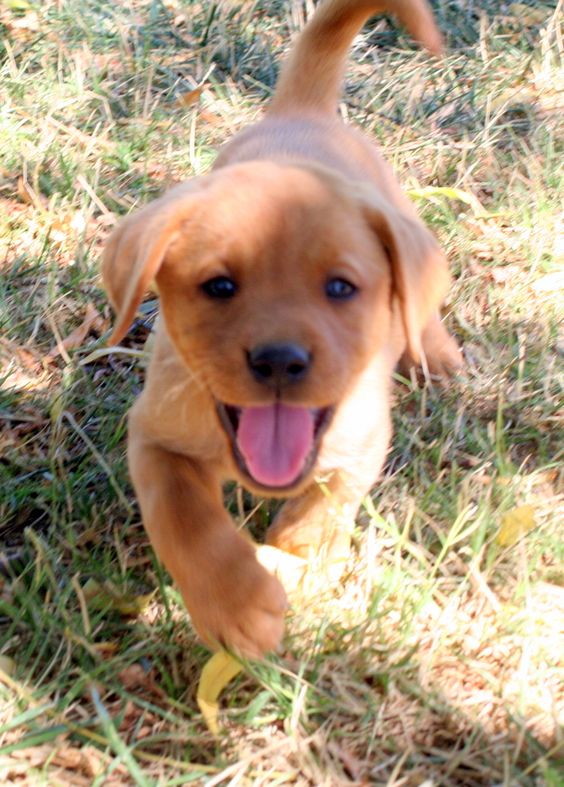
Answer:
[(275, 445)]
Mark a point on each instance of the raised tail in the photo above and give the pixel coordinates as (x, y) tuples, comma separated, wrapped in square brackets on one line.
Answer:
[(311, 77)]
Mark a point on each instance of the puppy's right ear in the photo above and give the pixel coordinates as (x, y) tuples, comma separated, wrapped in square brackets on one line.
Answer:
[(420, 276), (136, 249)]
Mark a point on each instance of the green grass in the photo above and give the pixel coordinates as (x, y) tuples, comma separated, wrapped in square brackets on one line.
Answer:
[(439, 660)]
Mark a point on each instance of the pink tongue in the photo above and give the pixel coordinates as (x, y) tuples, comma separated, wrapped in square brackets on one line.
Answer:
[(275, 442)]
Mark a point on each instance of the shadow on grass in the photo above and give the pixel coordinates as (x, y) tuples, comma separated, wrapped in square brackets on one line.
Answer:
[(349, 702), (335, 713)]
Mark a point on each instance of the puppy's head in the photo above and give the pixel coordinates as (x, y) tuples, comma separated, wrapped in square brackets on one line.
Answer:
[(275, 285)]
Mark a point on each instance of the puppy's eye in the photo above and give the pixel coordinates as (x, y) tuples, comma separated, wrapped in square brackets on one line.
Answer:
[(220, 287), (340, 289)]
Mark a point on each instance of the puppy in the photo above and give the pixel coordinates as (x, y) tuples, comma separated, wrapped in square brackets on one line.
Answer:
[(292, 279)]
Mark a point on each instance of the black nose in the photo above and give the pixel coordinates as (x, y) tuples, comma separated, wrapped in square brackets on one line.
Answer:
[(277, 365)]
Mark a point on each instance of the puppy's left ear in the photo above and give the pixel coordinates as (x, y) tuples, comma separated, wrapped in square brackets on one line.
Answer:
[(420, 276)]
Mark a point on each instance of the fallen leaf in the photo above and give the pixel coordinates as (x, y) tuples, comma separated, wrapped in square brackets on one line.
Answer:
[(10, 767), (19, 5), (135, 677), (515, 523), (431, 193), (216, 674), (103, 595), (106, 649), (68, 757), (7, 666), (210, 117), (130, 716), (92, 762), (190, 98), (87, 760)]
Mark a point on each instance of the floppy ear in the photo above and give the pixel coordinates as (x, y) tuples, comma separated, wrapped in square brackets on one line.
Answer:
[(136, 249), (420, 276)]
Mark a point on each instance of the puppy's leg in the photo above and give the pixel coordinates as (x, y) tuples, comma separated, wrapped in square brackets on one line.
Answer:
[(318, 523), (442, 353), (231, 599)]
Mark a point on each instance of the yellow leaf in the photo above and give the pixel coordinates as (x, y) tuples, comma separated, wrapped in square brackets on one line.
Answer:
[(431, 193), (216, 674), (104, 595), (105, 649), (514, 524), (19, 5), (7, 666)]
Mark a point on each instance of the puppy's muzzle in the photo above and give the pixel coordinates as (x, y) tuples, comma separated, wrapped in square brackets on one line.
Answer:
[(278, 364)]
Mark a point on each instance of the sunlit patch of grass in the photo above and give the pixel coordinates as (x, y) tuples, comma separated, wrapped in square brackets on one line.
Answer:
[(438, 658)]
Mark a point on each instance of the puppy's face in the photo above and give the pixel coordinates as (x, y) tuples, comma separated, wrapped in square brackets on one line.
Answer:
[(275, 287), (275, 292)]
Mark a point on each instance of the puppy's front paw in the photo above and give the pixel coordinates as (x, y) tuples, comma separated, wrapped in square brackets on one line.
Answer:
[(238, 605), (445, 358)]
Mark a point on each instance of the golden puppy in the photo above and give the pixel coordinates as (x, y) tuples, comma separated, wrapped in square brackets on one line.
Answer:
[(292, 279)]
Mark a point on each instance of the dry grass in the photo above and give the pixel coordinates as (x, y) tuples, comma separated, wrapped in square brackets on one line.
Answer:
[(439, 660)]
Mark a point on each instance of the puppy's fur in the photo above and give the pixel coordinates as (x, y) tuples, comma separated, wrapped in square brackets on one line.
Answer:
[(292, 280)]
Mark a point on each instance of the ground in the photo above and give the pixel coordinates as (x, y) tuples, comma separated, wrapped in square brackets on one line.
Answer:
[(439, 659)]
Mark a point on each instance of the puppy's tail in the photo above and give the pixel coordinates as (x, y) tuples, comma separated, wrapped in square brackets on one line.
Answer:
[(311, 77)]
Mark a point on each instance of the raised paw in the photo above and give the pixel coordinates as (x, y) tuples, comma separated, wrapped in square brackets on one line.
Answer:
[(237, 605)]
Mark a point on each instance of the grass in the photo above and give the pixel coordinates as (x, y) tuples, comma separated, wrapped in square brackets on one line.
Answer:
[(439, 660)]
